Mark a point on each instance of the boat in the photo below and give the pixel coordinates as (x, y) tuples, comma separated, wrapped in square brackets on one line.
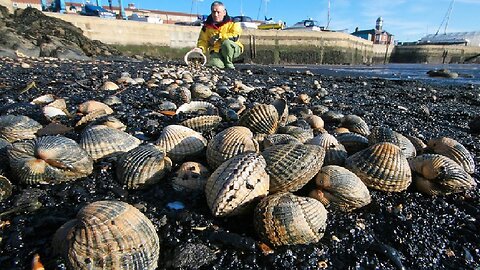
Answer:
[(308, 25), (267, 25)]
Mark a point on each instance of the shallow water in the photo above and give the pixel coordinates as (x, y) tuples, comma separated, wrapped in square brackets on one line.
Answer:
[(469, 73)]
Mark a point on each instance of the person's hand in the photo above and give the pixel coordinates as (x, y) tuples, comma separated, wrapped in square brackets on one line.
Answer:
[(213, 39), (198, 50)]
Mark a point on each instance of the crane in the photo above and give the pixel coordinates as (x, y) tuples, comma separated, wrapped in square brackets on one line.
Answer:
[(446, 19)]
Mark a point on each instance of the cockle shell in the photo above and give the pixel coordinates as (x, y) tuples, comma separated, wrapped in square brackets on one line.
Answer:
[(277, 139), (341, 188), (419, 145), (49, 159), (355, 124), (101, 141), (191, 176), (352, 142), (437, 174), (43, 99), (335, 152), (18, 127), (108, 235), (199, 107), (262, 118), (385, 134), (237, 184), (92, 105), (200, 91), (287, 219), (303, 135), (109, 86), (180, 94), (281, 106), (202, 123), (315, 121), (291, 166), (381, 166), (454, 150), (142, 166), (180, 142), (5, 188), (229, 143)]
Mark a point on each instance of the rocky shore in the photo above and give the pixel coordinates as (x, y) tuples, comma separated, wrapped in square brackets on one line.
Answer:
[(404, 230)]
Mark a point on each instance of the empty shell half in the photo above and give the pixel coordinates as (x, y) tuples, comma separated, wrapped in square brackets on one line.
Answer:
[(355, 124), (191, 176)]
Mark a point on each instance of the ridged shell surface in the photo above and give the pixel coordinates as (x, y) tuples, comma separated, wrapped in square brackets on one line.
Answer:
[(180, 142), (18, 127), (142, 166), (49, 159), (277, 139), (203, 123), (419, 145), (286, 219), (454, 150), (237, 184), (5, 188), (229, 143), (335, 152), (262, 118), (385, 134), (291, 166), (355, 124), (191, 176), (352, 142), (437, 174), (341, 188), (303, 135), (101, 141), (381, 166), (92, 105), (108, 235)]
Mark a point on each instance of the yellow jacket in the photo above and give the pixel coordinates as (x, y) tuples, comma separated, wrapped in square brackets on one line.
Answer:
[(227, 29)]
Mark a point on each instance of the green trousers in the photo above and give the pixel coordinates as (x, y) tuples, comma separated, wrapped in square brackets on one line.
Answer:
[(224, 59)]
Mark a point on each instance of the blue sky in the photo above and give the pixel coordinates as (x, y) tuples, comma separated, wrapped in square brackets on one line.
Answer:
[(408, 20)]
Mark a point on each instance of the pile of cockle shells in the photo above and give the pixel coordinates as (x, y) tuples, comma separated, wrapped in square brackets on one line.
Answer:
[(265, 154)]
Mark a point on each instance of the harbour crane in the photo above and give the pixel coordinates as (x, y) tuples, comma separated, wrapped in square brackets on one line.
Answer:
[(446, 19)]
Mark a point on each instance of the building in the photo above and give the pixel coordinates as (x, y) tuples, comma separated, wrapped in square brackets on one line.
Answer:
[(155, 15), (377, 35), (457, 38)]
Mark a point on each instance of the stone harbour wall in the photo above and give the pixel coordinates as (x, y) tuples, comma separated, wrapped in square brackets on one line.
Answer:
[(271, 46)]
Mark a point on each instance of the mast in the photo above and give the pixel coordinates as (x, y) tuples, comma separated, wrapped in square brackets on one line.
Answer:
[(446, 19), (328, 15)]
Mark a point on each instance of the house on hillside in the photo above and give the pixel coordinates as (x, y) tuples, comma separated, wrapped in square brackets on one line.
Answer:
[(377, 35)]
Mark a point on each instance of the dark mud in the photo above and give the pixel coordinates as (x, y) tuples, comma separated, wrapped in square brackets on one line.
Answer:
[(405, 230)]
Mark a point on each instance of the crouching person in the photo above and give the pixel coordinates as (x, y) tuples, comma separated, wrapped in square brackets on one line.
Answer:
[(220, 37)]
